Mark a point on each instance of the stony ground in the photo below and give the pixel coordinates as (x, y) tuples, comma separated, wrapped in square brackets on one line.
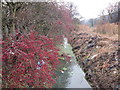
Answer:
[(98, 57)]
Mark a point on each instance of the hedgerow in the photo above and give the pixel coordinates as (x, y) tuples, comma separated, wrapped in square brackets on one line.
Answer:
[(29, 61)]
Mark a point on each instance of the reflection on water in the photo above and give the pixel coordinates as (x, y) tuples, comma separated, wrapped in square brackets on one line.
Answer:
[(77, 77), (65, 42), (73, 77)]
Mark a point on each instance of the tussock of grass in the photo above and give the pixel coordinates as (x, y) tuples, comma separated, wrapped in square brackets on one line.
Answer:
[(108, 29)]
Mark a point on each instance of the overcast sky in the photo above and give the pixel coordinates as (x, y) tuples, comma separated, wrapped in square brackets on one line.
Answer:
[(91, 8)]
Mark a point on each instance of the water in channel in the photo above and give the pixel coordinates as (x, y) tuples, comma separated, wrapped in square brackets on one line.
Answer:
[(73, 76)]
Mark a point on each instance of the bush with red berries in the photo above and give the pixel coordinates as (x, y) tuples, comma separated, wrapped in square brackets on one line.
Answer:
[(28, 61)]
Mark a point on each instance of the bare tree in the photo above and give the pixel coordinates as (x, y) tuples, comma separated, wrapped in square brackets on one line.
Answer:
[(112, 11)]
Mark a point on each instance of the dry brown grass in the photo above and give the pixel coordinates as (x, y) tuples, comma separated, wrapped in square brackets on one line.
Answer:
[(108, 33), (84, 28), (108, 29)]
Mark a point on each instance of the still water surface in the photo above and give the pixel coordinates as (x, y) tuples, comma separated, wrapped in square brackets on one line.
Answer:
[(73, 77)]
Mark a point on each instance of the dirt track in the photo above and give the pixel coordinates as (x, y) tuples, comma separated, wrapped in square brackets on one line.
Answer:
[(98, 57)]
